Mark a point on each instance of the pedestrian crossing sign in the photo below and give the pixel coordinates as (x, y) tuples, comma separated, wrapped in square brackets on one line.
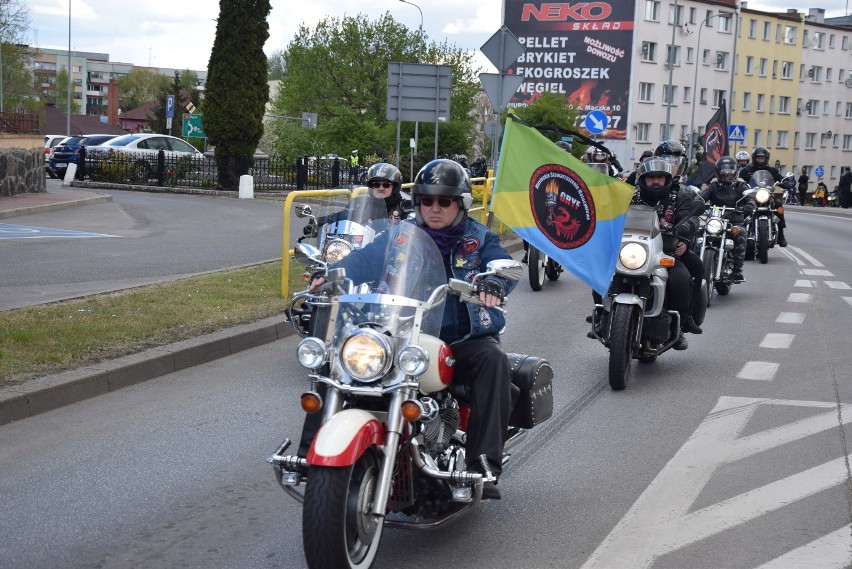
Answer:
[(736, 133)]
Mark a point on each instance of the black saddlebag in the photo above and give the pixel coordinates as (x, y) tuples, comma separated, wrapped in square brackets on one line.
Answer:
[(534, 377)]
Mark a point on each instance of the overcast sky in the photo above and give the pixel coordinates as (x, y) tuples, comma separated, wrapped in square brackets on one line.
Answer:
[(179, 33)]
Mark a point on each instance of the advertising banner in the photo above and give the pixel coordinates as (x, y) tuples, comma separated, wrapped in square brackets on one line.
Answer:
[(579, 49)]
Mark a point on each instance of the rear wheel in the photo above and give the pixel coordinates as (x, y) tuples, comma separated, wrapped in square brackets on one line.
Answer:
[(622, 332), (709, 270), (723, 288), (763, 240), (337, 529), (537, 264)]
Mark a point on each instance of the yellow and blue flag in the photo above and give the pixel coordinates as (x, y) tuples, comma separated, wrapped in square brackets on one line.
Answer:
[(559, 205)]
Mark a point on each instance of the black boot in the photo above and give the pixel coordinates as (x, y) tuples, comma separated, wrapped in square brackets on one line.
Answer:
[(782, 242), (681, 344), (687, 324), (738, 275)]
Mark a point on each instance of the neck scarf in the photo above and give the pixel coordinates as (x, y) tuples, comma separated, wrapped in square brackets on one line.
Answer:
[(446, 239)]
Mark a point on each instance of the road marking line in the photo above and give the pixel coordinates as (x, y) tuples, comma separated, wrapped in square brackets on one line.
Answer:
[(810, 258), (799, 297), (817, 272), (804, 284), (793, 257), (790, 318), (662, 520), (777, 341), (848, 299), (838, 285), (828, 552), (759, 371)]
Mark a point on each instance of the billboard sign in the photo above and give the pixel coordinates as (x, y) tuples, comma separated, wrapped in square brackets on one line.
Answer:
[(580, 50)]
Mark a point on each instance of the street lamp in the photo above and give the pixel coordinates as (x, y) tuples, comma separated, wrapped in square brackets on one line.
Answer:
[(68, 91), (416, 123), (675, 21)]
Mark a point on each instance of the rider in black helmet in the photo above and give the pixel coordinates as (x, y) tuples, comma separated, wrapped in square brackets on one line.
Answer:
[(760, 161)]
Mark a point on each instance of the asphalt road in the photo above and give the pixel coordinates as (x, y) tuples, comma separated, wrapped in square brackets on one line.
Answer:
[(730, 454)]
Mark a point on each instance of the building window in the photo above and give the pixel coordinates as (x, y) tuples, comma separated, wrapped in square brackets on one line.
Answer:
[(652, 10), (845, 43), (838, 109), (771, 105), (764, 64), (777, 33), (825, 108), (769, 138), (784, 104), (76, 69), (675, 14), (761, 100), (705, 57), (703, 96), (815, 74), (831, 42), (804, 38), (796, 137), (847, 142), (818, 40), (643, 131), (722, 60), (690, 55), (789, 35), (725, 23), (828, 75), (666, 98), (649, 51), (687, 94), (646, 92), (786, 70), (758, 137), (746, 102), (767, 30), (673, 55), (849, 110), (749, 70), (693, 14), (783, 139), (812, 107), (810, 141), (718, 97), (752, 29)]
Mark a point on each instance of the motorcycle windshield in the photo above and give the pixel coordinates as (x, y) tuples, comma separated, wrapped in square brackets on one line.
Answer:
[(761, 179), (352, 228), (405, 274), (641, 218)]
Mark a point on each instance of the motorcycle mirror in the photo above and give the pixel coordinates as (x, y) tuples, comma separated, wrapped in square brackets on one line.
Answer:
[(305, 253), (506, 268), (303, 210)]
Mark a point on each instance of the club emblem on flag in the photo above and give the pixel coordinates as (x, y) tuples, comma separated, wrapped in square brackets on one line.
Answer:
[(562, 206)]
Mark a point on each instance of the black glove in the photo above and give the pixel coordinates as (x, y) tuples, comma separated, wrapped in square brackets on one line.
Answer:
[(492, 287), (683, 230), (748, 210), (309, 229)]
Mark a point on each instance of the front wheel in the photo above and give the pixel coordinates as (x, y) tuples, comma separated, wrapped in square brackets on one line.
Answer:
[(622, 332), (709, 273), (337, 528), (763, 240), (723, 288), (552, 270), (537, 264)]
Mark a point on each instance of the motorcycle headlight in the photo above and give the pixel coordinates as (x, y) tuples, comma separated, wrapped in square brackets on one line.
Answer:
[(311, 352), (365, 355), (633, 255), (762, 196), (714, 226), (336, 250), (412, 360)]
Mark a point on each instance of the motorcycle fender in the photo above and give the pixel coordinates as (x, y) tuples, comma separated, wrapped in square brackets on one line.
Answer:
[(344, 438), (627, 298)]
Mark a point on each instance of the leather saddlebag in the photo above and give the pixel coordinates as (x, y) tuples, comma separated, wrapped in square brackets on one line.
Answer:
[(534, 377)]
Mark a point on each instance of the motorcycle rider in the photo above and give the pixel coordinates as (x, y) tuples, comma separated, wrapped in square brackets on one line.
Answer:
[(727, 190), (442, 197), (742, 159), (385, 183), (760, 161), (676, 209)]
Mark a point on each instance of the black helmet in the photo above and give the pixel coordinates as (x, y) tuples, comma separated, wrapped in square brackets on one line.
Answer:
[(760, 152), (442, 177), (654, 167), (384, 172), (726, 169), (674, 152)]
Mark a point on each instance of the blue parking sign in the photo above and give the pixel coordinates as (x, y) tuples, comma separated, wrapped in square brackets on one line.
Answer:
[(170, 106)]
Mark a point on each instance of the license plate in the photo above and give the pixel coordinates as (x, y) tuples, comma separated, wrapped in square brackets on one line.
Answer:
[(62, 164)]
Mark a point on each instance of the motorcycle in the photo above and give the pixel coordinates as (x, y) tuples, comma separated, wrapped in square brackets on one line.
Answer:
[(540, 266), (716, 249), (832, 199), (391, 448), (762, 226), (632, 320)]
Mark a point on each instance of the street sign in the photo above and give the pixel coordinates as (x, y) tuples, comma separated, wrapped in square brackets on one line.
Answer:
[(596, 122), (819, 172), (192, 126), (500, 88), (170, 106), (418, 92), (309, 120), (736, 133), (503, 49)]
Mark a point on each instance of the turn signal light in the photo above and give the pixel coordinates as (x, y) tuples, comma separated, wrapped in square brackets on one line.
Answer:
[(780, 211), (311, 402), (667, 262), (411, 410), (735, 230)]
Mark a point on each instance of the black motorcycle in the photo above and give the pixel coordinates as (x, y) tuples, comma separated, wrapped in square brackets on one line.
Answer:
[(541, 266)]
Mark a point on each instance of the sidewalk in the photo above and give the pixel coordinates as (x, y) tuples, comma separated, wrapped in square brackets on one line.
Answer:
[(51, 200)]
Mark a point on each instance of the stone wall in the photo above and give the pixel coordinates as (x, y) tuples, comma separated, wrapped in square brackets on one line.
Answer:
[(21, 171)]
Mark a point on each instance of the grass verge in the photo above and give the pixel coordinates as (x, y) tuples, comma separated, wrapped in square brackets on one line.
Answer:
[(49, 338)]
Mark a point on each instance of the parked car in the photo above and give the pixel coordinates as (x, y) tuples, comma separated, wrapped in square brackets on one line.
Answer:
[(142, 149), (51, 140), (68, 151)]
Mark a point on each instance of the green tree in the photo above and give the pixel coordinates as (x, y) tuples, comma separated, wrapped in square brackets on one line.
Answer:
[(277, 67), (339, 71), (59, 93), (16, 81), (184, 87), (237, 90), (140, 86), (550, 109)]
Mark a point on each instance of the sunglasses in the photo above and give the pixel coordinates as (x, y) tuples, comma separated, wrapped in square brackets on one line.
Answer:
[(382, 184), (443, 202)]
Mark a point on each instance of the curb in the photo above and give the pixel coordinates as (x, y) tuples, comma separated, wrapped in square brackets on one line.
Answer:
[(54, 391), (42, 208)]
